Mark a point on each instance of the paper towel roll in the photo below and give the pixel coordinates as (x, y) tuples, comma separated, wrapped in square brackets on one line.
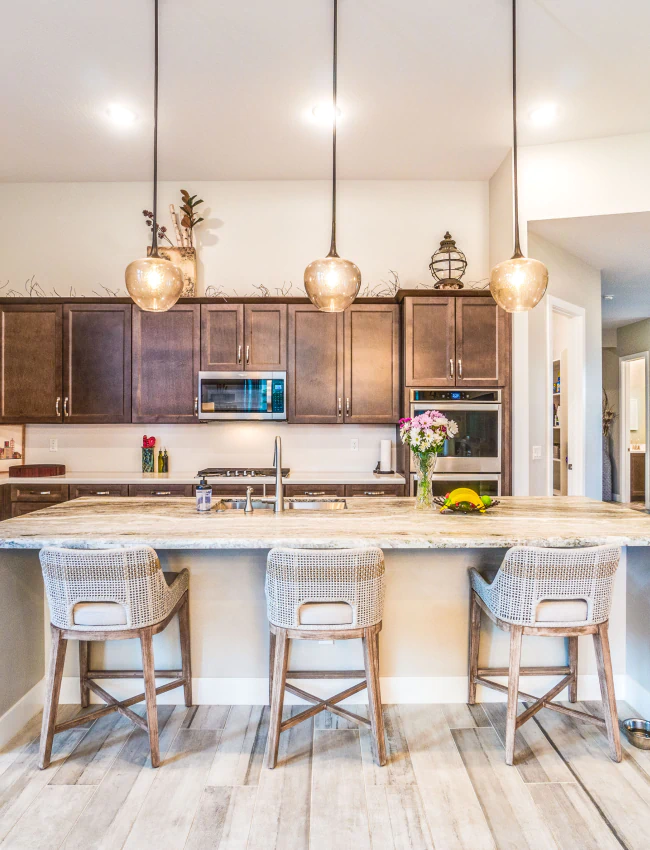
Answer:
[(385, 455)]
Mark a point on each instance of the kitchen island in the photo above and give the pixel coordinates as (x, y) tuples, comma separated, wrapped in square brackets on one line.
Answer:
[(424, 639)]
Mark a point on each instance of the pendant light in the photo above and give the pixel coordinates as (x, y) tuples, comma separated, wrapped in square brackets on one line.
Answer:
[(517, 284), (332, 283), (154, 284)]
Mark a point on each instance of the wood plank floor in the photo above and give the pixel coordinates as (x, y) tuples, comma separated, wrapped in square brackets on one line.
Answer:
[(446, 785)]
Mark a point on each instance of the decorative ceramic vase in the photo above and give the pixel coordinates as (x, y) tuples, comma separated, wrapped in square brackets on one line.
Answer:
[(425, 463), (147, 460), (607, 471)]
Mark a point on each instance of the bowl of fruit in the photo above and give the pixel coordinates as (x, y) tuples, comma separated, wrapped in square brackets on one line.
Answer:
[(463, 500)]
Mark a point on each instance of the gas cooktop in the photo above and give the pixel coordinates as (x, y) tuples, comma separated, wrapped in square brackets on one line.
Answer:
[(211, 472)]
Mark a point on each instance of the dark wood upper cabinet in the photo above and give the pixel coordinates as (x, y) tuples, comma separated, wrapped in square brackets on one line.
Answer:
[(265, 335), (97, 363), (222, 337), (315, 367), (166, 354), (30, 354), (429, 342), (482, 343), (371, 351)]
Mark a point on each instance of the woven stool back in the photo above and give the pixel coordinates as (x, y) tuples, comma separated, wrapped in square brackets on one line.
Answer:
[(131, 577), (530, 574), (295, 577)]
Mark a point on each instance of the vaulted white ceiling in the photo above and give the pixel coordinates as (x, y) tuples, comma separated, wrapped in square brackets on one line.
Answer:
[(424, 85)]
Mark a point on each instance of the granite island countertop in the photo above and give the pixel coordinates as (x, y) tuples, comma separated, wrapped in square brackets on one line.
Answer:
[(387, 523)]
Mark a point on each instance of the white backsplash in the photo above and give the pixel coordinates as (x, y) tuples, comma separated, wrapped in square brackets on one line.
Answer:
[(116, 448)]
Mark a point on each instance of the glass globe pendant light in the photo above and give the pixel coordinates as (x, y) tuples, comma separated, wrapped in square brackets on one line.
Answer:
[(517, 284), (332, 283), (154, 284)]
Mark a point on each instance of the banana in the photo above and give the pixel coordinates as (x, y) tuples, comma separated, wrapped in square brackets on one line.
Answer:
[(467, 496)]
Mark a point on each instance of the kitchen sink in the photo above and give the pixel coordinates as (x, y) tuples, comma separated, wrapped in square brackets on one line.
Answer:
[(334, 504)]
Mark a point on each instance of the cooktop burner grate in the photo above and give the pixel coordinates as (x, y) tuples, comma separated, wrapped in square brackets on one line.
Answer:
[(231, 472)]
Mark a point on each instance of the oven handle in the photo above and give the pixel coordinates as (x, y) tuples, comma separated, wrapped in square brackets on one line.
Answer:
[(456, 405)]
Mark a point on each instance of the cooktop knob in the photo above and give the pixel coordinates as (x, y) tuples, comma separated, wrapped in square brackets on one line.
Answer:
[(252, 472), (245, 473), (228, 473), (236, 472)]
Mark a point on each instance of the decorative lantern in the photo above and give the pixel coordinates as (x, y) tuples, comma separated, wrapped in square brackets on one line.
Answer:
[(448, 265)]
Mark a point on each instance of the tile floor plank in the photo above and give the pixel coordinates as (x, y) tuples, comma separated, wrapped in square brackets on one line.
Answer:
[(223, 818), (165, 819), (339, 816), (397, 818), (453, 811), (399, 768), (514, 819), (282, 809), (572, 817), (461, 716), (327, 720), (239, 756), (47, 821), (95, 752), (212, 717)]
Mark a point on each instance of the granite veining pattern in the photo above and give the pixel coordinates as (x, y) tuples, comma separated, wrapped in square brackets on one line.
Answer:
[(173, 523)]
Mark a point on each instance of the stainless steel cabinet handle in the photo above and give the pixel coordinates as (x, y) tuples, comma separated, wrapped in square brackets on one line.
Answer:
[(340, 406), (314, 492), (161, 493), (451, 368), (65, 406), (103, 493), (460, 368), (248, 354), (46, 493), (374, 493), (58, 402), (347, 406), (239, 353), (196, 405)]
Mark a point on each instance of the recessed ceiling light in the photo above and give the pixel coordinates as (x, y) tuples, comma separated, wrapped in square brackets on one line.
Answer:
[(120, 115), (324, 113), (543, 115)]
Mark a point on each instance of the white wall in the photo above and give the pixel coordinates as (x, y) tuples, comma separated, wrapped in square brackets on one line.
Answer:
[(578, 283), (83, 235), (637, 394)]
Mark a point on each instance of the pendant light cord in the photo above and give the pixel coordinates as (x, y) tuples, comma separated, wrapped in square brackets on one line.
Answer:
[(154, 241), (517, 252), (332, 252)]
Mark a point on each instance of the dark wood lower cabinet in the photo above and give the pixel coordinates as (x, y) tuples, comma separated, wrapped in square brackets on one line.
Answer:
[(315, 490), (22, 508), (375, 490), (161, 489), (46, 492), (78, 491)]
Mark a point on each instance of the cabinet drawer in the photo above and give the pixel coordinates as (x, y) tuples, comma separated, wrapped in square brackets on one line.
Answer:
[(39, 492), (160, 489), (374, 489), (314, 490), (228, 490), (22, 508), (78, 491)]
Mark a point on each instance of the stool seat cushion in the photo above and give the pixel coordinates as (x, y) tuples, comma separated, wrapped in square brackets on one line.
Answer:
[(325, 614), (561, 610), (96, 614)]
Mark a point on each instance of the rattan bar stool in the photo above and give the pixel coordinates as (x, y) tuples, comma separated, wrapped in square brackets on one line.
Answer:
[(112, 594), (316, 594), (548, 593)]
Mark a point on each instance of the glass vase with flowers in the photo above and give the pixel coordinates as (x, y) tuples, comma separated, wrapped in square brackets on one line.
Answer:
[(425, 435)]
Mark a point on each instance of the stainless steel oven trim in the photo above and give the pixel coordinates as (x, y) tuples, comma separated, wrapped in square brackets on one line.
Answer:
[(205, 416), (497, 392), (465, 464), (457, 476)]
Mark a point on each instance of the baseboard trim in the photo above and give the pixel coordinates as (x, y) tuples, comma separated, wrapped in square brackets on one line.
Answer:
[(638, 697), (394, 689), (13, 720)]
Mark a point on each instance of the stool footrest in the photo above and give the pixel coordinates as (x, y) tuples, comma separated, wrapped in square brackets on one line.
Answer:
[(524, 671), (132, 674), (326, 674), (328, 704)]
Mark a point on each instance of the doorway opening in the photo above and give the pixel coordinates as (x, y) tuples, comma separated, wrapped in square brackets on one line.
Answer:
[(566, 398), (635, 405)]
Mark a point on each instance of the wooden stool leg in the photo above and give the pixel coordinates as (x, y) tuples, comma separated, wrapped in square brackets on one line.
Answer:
[(148, 672), (271, 663), (573, 666), (474, 639), (371, 660), (281, 661), (606, 679), (52, 691), (186, 657), (516, 634), (84, 664)]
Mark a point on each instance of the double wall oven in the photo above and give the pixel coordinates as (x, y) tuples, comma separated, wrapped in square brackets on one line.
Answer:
[(473, 457)]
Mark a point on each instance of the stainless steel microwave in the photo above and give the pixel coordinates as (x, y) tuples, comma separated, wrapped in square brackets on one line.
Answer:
[(242, 395)]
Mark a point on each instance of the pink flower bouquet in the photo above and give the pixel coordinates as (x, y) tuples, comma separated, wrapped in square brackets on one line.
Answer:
[(425, 435)]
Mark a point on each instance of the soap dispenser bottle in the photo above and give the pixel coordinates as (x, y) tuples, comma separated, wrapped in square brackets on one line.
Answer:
[(203, 496)]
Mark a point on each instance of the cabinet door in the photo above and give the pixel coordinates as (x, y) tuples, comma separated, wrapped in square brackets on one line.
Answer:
[(371, 345), (222, 337), (482, 343), (265, 334), (429, 342), (30, 354), (97, 363), (315, 366), (166, 364)]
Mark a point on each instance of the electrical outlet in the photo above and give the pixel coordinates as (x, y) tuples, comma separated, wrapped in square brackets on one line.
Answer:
[(537, 452), (54, 444), (354, 445)]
